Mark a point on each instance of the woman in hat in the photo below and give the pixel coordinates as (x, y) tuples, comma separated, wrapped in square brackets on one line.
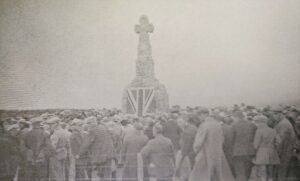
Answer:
[(265, 142)]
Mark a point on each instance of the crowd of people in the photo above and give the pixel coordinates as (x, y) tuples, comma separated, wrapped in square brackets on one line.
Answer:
[(239, 143)]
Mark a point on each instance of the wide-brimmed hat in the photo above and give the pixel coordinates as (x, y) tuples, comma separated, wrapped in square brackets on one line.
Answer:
[(24, 122), (36, 120), (260, 119), (91, 120), (138, 125), (53, 120), (13, 126), (76, 121), (238, 114), (277, 109), (202, 110)]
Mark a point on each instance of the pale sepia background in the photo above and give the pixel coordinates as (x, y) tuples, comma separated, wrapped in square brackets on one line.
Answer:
[(81, 53)]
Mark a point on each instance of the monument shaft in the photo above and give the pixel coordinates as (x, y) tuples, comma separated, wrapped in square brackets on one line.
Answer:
[(144, 95)]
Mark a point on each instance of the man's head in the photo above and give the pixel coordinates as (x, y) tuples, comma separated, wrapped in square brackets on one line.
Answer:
[(24, 124), (138, 125), (202, 113), (63, 125), (237, 116), (13, 129), (277, 114), (174, 115), (36, 122), (228, 120), (124, 122), (193, 119), (260, 119), (157, 129), (53, 122), (292, 115), (92, 121)]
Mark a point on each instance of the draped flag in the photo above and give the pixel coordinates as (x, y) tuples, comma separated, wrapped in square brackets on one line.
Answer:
[(141, 100)]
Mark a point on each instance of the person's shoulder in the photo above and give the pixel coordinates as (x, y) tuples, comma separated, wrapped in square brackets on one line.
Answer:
[(35, 132), (192, 129), (166, 140), (94, 131), (283, 124), (261, 130), (287, 122), (99, 128), (144, 137), (266, 131), (4, 138), (191, 126), (152, 142), (226, 127), (271, 130), (234, 125), (251, 124)]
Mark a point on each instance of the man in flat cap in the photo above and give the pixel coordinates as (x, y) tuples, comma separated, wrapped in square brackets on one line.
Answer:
[(60, 140), (210, 161), (226, 122), (99, 146), (38, 142), (243, 150), (202, 113), (159, 156), (172, 130), (285, 150), (186, 143)]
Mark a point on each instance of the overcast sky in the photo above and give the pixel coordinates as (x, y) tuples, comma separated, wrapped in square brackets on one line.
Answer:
[(81, 54)]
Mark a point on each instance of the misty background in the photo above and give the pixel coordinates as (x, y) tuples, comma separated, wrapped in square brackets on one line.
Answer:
[(81, 54)]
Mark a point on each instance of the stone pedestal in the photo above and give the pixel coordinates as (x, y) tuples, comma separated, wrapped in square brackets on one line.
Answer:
[(143, 97)]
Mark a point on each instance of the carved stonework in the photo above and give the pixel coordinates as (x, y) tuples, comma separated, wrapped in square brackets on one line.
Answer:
[(144, 63), (144, 47), (144, 68), (145, 89)]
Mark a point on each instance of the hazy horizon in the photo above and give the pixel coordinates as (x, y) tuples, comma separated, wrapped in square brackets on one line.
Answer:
[(81, 54)]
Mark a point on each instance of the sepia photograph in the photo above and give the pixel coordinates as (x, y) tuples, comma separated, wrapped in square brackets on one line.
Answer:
[(149, 90)]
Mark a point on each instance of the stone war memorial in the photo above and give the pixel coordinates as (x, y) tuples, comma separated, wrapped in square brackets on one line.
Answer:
[(145, 94)]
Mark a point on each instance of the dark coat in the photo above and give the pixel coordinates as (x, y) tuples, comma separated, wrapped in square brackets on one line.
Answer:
[(243, 137), (149, 132), (210, 161), (287, 139), (160, 154), (99, 145), (133, 144), (172, 131), (265, 142), (76, 140), (10, 156), (187, 140), (38, 141), (228, 142)]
